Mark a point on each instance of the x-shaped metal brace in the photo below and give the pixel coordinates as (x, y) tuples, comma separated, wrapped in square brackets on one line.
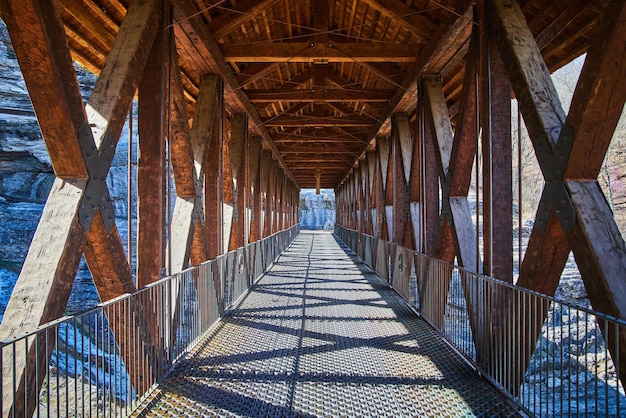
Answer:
[(96, 195), (555, 194), (198, 207), (446, 211)]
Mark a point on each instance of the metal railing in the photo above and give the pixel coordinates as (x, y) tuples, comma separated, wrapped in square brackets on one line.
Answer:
[(553, 358), (105, 361)]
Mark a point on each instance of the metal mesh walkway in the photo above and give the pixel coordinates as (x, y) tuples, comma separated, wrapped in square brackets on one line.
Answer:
[(321, 335)]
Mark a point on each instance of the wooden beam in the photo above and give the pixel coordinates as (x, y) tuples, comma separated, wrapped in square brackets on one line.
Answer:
[(272, 197), (228, 207), (266, 163), (320, 52), (254, 170), (598, 100), (314, 150), (528, 73), (556, 26), (600, 255), (151, 193), (402, 152), (180, 143), (349, 111), (238, 154), (311, 121), (438, 121), (254, 72), (465, 144), (87, 19), (60, 110), (115, 88), (497, 175), (188, 209), (213, 186), (319, 95)]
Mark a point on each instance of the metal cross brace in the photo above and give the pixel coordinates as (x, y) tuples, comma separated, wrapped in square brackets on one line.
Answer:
[(555, 194), (98, 162)]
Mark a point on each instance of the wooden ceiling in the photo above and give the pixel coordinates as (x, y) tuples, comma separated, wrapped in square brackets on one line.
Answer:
[(319, 79)]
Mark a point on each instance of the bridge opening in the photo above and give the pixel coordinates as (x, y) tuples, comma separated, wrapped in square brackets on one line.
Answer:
[(317, 209)]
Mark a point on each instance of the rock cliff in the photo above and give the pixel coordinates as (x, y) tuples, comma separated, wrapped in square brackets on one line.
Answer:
[(317, 211)]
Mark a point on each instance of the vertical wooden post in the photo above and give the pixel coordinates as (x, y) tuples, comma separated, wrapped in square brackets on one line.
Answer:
[(358, 204), (151, 194), (266, 166), (429, 185), (281, 193), (370, 160), (318, 177), (365, 211), (270, 195), (402, 149), (238, 151), (384, 149), (228, 207), (275, 195), (416, 195), (378, 205), (495, 116), (214, 189), (354, 198), (254, 153)]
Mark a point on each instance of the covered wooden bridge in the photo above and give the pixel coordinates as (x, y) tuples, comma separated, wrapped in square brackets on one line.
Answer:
[(239, 105)]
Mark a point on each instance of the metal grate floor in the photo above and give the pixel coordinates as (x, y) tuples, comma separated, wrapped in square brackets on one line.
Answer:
[(323, 336)]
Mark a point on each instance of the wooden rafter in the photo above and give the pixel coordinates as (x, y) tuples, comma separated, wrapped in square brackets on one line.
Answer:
[(319, 95), (319, 52), (236, 16)]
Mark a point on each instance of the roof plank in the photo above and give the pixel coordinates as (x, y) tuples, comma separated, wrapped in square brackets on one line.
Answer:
[(237, 15)]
